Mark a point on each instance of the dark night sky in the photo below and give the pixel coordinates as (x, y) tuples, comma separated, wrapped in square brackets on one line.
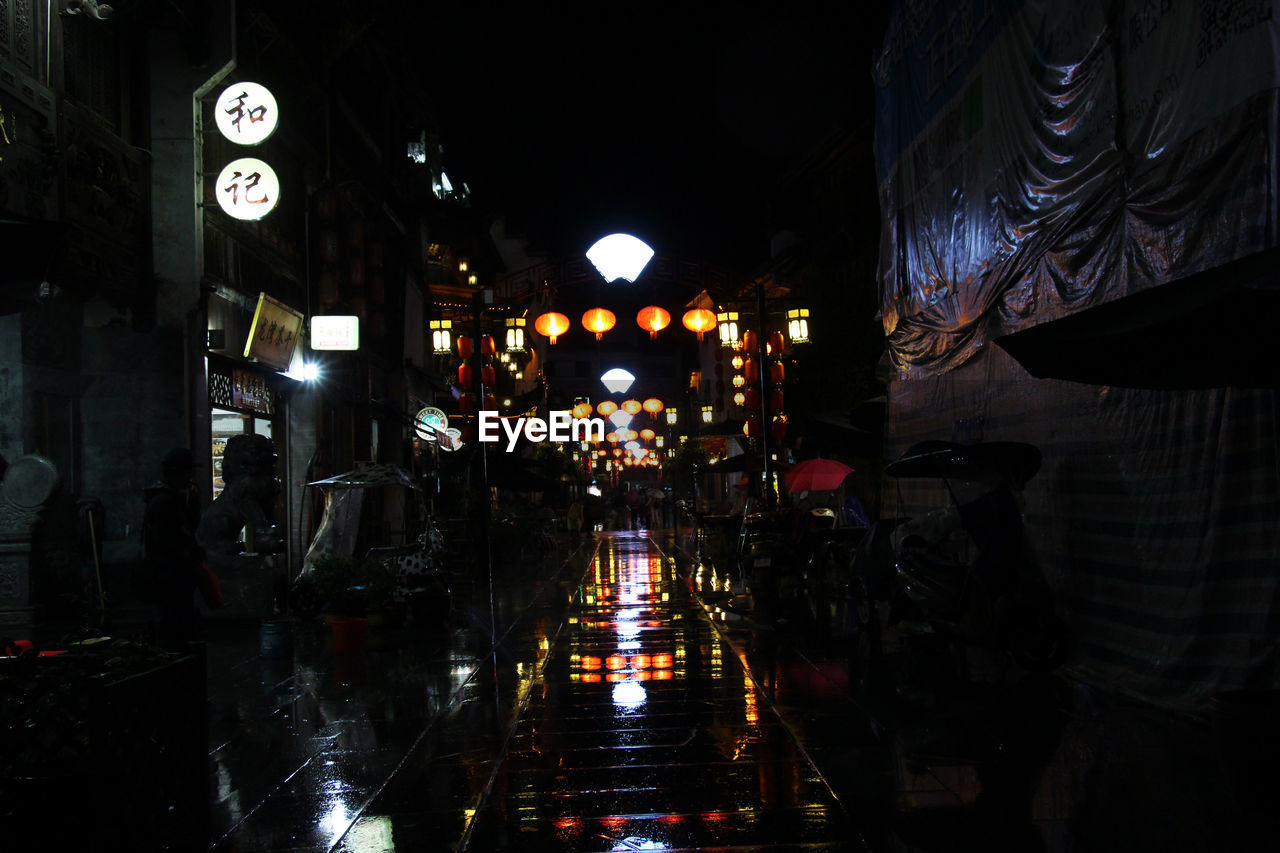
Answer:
[(672, 124)]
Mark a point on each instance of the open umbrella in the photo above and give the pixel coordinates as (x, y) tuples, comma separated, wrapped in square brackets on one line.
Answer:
[(817, 475)]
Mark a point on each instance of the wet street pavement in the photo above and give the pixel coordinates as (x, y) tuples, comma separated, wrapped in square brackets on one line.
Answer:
[(609, 699), (608, 715)]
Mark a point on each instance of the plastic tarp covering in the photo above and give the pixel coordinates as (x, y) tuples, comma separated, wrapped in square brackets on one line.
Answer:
[(1037, 159), (344, 505)]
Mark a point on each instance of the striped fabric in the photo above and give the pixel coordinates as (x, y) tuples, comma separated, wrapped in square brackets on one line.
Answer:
[(1155, 517)]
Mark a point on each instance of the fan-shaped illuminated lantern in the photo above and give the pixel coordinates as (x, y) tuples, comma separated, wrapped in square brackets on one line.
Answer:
[(620, 418), (647, 434), (599, 320), (605, 408), (653, 405), (632, 407), (551, 324), (620, 256), (617, 381), (699, 320), (653, 319)]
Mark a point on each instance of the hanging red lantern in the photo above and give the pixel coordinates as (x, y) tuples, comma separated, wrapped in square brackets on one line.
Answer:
[(488, 377), (468, 433), (775, 400), (466, 406), (599, 321), (464, 347), (750, 341), (775, 343), (551, 324), (752, 426), (777, 373), (490, 403), (751, 399), (330, 251), (653, 319), (779, 427), (749, 371), (699, 320), (465, 375), (486, 345)]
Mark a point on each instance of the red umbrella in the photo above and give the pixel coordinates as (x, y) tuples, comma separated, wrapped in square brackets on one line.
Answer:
[(817, 475)]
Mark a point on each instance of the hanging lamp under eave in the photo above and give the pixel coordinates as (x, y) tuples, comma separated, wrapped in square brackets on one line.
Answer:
[(551, 325), (699, 320), (599, 321), (653, 319)]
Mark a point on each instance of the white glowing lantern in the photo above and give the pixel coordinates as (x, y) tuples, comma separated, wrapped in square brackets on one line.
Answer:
[(247, 189), (246, 113), (620, 256), (617, 380), (620, 418)]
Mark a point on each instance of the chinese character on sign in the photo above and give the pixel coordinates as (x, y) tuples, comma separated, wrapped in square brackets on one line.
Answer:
[(248, 189), (246, 113)]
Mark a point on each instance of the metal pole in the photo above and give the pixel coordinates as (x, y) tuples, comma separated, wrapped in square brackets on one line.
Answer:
[(762, 319)]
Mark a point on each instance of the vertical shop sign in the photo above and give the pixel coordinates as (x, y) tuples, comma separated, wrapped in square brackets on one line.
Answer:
[(246, 114)]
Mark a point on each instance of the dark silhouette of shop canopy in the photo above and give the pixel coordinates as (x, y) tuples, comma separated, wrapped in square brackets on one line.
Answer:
[(1213, 329)]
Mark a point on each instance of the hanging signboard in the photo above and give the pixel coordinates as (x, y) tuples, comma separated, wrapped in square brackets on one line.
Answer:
[(431, 421), (273, 336), (246, 113), (248, 189), (335, 332)]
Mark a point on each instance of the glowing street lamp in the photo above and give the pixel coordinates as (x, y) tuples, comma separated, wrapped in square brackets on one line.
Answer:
[(620, 256), (617, 380), (442, 337)]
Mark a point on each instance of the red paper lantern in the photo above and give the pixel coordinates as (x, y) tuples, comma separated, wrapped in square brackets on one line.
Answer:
[(487, 376), (752, 426), (776, 342), (777, 373), (750, 341), (699, 320), (465, 375), (490, 403), (751, 399), (779, 428), (466, 406), (775, 400), (599, 320), (486, 345), (552, 325), (653, 319), (464, 347)]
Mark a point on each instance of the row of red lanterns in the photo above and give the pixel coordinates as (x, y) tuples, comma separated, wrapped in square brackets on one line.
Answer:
[(651, 318)]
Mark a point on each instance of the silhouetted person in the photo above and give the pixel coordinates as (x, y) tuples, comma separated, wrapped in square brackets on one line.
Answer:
[(170, 547)]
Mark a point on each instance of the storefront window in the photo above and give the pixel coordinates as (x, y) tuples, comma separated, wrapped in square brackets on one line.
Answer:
[(226, 424)]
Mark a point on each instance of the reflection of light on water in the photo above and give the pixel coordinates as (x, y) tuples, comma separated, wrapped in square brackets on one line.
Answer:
[(335, 820), (371, 834), (633, 843), (628, 694)]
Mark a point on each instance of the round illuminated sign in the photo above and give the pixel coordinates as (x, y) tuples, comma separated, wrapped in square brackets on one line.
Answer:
[(455, 439), (247, 189), (429, 420), (246, 113)]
